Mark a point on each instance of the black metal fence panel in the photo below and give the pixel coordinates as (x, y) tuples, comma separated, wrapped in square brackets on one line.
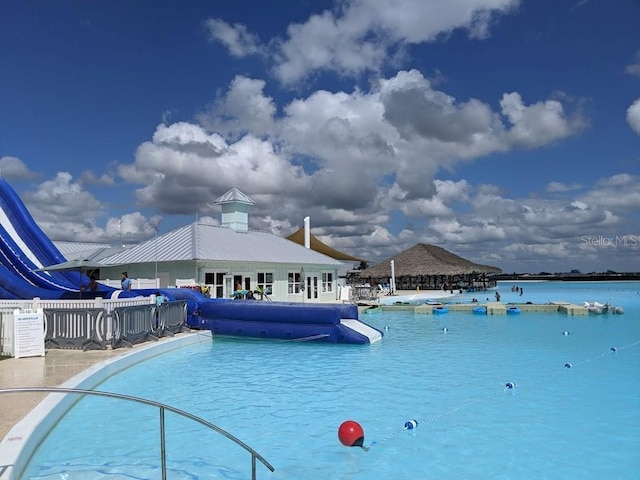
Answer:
[(80, 329), (133, 325)]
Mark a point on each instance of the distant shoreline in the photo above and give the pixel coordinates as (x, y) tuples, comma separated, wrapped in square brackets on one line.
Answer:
[(570, 277)]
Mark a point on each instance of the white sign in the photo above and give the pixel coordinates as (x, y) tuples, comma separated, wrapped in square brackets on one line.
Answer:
[(28, 334)]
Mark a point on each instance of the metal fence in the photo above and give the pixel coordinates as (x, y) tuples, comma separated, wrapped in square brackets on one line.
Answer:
[(84, 329), (96, 324), (171, 318)]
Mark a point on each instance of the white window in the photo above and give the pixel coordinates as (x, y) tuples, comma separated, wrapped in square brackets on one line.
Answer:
[(216, 281), (327, 282), (265, 282), (293, 283)]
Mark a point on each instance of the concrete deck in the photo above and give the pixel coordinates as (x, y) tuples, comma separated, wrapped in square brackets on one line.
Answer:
[(55, 368), (52, 370)]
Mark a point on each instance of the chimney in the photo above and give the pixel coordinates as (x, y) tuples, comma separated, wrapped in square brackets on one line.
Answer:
[(307, 233)]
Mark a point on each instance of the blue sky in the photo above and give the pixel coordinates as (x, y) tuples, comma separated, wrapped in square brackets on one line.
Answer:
[(505, 131)]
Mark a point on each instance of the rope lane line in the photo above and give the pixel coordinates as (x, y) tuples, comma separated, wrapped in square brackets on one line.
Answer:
[(413, 424)]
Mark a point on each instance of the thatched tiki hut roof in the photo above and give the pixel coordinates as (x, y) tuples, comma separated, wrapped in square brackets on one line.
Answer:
[(427, 260)]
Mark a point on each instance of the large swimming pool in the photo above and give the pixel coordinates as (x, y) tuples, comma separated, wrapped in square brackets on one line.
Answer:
[(447, 372)]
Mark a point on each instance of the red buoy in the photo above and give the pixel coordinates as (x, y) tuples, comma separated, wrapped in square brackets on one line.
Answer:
[(351, 434)]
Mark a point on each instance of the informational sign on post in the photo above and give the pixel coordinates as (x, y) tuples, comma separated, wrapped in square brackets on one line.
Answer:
[(28, 334)]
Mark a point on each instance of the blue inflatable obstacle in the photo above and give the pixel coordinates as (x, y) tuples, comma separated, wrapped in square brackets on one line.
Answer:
[(336, 323), (513, 311)]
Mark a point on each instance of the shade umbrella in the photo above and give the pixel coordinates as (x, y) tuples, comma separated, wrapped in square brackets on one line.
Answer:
[(78, 265)]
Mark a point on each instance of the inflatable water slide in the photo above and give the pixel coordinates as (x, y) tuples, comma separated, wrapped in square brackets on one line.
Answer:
[(335, 323), (24, 248)]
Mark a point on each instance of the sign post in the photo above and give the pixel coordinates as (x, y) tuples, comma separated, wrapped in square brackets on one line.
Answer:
[(28, 334)]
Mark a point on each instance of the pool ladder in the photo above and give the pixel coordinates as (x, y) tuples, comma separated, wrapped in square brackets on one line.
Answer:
[(162, 408)]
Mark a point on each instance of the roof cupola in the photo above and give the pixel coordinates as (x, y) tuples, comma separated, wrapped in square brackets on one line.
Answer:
[(235, 210)]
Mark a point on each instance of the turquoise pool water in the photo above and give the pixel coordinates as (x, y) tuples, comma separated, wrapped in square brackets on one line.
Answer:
[(287, 401)]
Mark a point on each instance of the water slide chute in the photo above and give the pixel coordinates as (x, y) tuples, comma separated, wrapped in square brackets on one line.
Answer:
[(24, 249), (23, 228)]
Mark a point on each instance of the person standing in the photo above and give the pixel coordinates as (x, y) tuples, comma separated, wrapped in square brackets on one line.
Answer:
[(126, 281)]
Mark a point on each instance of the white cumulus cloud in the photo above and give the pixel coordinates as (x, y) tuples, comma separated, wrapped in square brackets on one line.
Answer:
[(633, 116), (360, 36), (238, 40), (243, 108), (537, 124), (12, 168)]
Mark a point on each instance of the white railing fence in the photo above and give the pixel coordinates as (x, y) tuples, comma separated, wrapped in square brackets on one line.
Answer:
[(6, 331), (8, 307)]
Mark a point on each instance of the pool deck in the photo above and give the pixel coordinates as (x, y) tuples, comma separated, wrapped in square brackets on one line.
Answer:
[(55, 368)]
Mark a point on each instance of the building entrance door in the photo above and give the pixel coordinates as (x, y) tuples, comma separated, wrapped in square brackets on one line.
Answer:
[(311, 290)]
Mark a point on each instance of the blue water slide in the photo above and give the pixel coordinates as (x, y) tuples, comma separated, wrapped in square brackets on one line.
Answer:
[(18, 279), (30, 233), (8, 295), (12, 258), (19, 288)]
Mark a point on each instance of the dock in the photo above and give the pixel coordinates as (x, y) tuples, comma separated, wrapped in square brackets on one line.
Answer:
[(493, 308)]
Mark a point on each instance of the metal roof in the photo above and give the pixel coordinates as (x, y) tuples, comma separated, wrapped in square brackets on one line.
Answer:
[(198, 241), (86, 251), (234, 195), (72, 247)]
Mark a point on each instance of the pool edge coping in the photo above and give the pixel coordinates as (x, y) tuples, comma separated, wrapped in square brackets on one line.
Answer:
[(22, 440)]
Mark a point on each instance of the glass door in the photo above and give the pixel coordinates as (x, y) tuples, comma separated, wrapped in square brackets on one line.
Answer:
[(228, 286), (312, 287)]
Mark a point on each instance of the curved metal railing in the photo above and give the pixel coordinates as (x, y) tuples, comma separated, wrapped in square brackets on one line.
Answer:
[(162, 407)]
